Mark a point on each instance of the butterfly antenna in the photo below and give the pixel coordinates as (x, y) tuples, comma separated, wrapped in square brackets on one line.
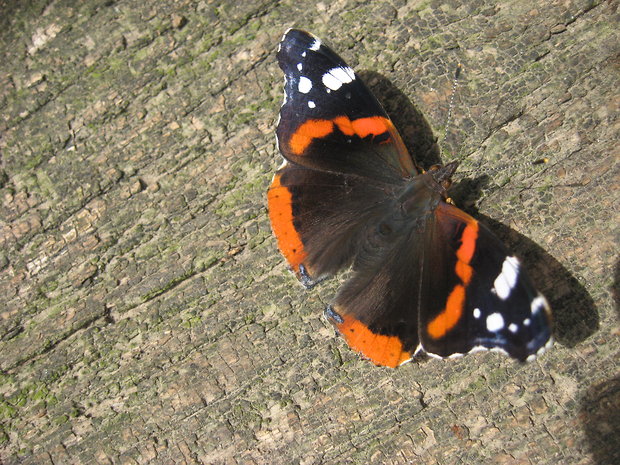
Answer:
[(455, 85), (523, 164)]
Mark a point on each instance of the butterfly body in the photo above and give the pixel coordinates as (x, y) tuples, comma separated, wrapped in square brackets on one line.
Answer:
[(427, 277)]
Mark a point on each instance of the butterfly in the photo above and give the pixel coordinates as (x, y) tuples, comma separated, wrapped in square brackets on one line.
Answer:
[(426, 276)]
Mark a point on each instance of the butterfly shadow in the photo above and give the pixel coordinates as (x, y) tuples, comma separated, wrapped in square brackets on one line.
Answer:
[(600, 405), (410, 122), (600, 410), (575, 315)]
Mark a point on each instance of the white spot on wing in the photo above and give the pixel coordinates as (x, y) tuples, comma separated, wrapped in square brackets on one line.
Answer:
[(315, 45), (473, 350), (300, 66), (285, 96), (282, 39), (513, 328), (476, 349), (304, 85), (311, 104), (344, 75), (538, 304), (495, 322), (303, 54), (477, 313), (507, 278), (336, 77), (527, 322), (499, 350), (540, 351), (331, 82), (418, 350)]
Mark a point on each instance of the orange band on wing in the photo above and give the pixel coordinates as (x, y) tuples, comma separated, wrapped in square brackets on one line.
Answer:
[(373, 125), (464, 271), (453, 311), (450, 315), (362, 127), (281, 215), (345, 126), (468, 242), (380, 349), (307, 132)]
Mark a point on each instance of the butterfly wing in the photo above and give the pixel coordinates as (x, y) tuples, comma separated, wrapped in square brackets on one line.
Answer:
[(376, 310), (343, 157), (319, 217), (439, 283), (330, 121), (475, 294)]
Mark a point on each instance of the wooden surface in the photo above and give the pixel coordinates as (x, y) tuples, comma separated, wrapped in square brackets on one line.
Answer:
[(145, 313)]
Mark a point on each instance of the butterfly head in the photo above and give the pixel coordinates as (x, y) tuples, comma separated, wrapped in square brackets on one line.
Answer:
[(442, 175), (425, 191)]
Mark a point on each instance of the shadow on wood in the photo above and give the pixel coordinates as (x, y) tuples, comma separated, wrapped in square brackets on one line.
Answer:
[(600, 413)]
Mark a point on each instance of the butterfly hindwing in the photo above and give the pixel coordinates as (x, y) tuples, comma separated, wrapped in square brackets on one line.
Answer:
[(319, 217), (376, 309)]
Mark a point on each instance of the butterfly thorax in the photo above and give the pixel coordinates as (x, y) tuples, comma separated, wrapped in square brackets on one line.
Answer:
[(423, 192)]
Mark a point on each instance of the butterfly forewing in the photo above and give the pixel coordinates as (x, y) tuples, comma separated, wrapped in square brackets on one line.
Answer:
[(476, 294), (330, 120)]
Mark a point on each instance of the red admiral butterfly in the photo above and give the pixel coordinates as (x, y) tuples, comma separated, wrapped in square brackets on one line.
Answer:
[(427, 277)]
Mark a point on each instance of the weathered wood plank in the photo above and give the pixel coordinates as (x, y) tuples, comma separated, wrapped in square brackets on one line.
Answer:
[(145, 314)]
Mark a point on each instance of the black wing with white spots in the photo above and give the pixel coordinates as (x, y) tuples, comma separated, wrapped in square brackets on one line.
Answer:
[(330, 121)]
